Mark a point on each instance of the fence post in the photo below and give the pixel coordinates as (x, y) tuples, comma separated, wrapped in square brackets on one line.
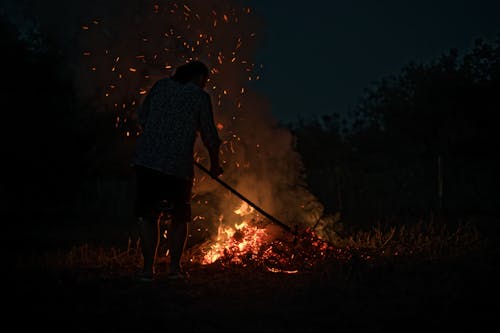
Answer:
[(440, 184)]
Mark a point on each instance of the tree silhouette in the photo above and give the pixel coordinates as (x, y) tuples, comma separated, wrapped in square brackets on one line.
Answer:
[(421, 140), (42, 129), (442, 107)]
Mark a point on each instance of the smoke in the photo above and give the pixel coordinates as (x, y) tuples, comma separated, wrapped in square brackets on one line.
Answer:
[(120, 48)]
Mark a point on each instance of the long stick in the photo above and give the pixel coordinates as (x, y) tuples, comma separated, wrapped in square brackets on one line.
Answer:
[(239, 195)]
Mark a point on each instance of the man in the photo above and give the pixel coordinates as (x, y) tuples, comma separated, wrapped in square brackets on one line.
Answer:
[(173, 113)]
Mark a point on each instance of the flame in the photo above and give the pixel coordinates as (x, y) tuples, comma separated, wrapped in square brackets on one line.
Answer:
[(237, 241), (244, 209), (245, 242)]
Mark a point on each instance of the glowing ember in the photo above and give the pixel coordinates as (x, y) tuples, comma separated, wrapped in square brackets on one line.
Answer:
[(175, 33), (277, 270), (246, 243), (241, 240)]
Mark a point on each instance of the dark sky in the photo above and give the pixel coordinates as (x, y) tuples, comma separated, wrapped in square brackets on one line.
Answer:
[(318, 56)]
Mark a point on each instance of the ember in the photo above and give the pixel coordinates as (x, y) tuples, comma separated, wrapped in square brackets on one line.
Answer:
[(241, 240), (268, 245)]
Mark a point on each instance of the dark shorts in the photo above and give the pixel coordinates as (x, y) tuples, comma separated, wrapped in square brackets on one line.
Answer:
[(157, 191)]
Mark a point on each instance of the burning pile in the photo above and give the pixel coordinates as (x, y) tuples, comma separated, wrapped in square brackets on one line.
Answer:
[(253, 242)]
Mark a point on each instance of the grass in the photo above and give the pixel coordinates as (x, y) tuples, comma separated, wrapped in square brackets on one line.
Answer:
[(423, 240), (407, 277)]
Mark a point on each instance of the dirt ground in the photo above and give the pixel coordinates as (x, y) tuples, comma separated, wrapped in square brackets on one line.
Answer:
[(412, 294)]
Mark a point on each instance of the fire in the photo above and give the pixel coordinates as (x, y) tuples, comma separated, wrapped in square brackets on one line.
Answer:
[(222, 35), (244, 209), (246, 243), (240, 240)]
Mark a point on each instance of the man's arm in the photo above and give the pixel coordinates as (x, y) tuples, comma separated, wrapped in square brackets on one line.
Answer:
[(210, 136)]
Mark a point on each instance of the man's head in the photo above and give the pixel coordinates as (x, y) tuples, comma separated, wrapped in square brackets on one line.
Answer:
[(194, 71)]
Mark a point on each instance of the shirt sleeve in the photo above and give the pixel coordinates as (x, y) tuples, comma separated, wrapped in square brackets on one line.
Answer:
[(208, 131)]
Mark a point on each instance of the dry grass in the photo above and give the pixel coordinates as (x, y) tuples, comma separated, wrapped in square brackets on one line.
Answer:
[(423, 240), (422, 274), (427, 239)]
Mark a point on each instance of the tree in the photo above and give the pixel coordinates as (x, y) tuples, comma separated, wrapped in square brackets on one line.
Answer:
[(421, 139), (442, 107), (43, 143)]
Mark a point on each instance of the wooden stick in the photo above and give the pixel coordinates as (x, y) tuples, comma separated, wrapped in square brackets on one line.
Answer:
[(239, 195)]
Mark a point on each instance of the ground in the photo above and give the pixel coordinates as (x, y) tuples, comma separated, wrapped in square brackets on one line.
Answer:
[(458, 292)]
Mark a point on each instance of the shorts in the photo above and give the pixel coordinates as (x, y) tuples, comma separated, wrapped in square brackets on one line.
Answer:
[(156, 191)]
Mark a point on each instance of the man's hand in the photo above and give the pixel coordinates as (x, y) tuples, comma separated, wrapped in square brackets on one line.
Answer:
[(216, 170)]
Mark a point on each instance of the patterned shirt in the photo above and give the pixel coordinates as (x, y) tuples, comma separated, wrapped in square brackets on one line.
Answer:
[(171, 116)]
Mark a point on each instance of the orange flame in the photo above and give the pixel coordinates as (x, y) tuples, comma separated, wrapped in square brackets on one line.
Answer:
[(238, 241)]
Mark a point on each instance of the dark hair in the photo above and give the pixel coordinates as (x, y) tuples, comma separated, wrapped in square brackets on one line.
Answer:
[(185, 73)]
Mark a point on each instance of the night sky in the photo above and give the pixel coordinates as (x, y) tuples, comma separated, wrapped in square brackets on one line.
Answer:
[(325, 53)]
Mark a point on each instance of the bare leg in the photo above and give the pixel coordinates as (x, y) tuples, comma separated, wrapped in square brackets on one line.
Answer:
[(178, 236), (149, 236)]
